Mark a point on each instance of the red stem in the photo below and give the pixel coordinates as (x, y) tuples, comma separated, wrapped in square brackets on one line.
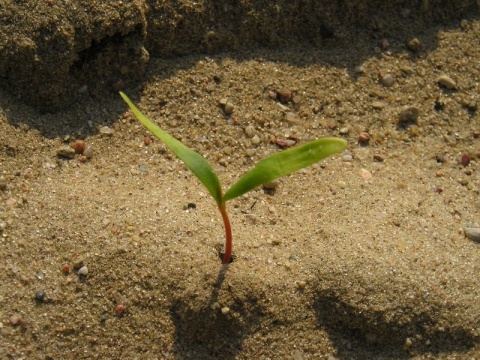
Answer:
[(228, 234)]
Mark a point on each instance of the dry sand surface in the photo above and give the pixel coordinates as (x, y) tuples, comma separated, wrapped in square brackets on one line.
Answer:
[(362, 256)]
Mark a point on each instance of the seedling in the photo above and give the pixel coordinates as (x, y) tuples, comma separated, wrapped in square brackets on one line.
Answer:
[(267, 169)]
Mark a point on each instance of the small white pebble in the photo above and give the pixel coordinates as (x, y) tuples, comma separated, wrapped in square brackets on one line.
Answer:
[(88, 152), (83, 271), (225, 310), (365, 174)]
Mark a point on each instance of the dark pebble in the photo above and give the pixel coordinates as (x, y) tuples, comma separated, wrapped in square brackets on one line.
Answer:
[(40, 296)]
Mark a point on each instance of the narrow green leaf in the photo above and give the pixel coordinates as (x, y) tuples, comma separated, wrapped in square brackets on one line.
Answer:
[(193, 160), (284, 163)]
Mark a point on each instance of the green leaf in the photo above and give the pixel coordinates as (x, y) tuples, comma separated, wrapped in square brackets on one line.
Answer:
[(284, 163), (193, 160)]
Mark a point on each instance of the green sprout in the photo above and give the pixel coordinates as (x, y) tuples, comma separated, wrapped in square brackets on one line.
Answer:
[(267, 170)]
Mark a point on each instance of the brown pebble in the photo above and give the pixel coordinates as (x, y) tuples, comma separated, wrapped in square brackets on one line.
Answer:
[(476, 134), (378, 158), (147, 140), (79, 146), (281, 142), (384, 44), (364, 137), (120, 309), (414, 44), (285, 143), (66, 268), (465, 159), (285, 96)]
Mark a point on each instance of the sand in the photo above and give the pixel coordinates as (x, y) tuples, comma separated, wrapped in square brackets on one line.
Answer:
[(362, 256)]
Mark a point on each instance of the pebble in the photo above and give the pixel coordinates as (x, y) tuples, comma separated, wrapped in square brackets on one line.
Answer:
[(378, 158), (120, 309), (347, 157), (66, 268), (272, 185), (364, 137), (250, 131), (465, 159), (83, 271), (40, 295), (284, 143), (384, 44), (66, 152), (225, 310), (365, 174), (446, 81), (256, 140), (250, 152), (228, 108), (83, 89), (414, 44), (344, 131), (88, 152), (285, 96), (473, 233), (15, 320), (378, 105), (79, 146), (252, 218), (10, 202), (386, 80), (359, 69), (301, 284), (105, 130), (2, 225)]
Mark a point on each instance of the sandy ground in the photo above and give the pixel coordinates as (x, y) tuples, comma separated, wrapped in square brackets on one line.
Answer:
[(362, 256)]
